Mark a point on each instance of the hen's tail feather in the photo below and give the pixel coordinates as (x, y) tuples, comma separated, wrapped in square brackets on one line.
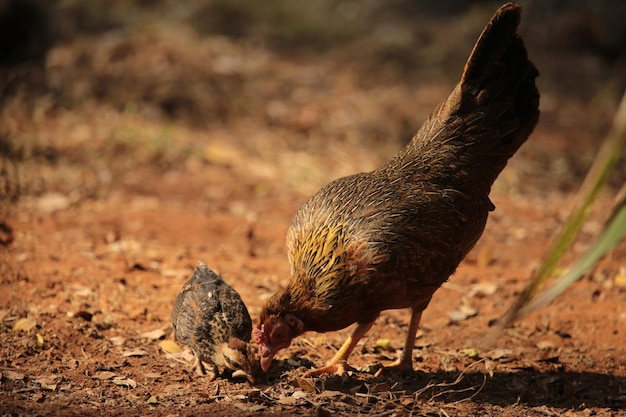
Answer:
[(500, 80), (489, 115), (493, 41)]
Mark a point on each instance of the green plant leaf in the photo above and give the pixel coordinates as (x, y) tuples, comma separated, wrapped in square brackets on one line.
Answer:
[(611, 236), (595, 180)]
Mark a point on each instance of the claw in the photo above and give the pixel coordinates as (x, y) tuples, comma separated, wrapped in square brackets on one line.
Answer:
[(338, 368), (400, 366)]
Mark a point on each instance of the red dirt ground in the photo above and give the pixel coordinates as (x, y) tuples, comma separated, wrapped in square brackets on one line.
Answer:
[(117, 205)]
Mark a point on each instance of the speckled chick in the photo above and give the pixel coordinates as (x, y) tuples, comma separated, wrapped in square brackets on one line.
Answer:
[(210, 317), (389, 238)]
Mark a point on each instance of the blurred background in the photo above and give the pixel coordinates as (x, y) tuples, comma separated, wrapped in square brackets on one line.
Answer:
[(91, 90), (139, 136)]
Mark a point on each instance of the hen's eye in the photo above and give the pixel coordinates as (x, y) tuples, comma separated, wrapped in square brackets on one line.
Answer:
[(291, 321), (279, 334)]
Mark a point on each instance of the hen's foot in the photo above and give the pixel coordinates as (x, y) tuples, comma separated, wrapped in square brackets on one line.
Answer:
[(398, 367), (337, 368)]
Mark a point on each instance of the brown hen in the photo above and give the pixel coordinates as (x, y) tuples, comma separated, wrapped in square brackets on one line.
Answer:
[(388, 239)]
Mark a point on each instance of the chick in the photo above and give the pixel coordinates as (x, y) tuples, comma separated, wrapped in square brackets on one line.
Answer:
[(210, 317)]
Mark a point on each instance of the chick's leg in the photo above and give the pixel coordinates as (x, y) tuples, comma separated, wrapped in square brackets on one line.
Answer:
[(339, 363), (198, 365), (200, 368)]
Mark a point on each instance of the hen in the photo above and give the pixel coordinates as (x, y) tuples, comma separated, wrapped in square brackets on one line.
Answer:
[(210, 317), (388, 239)]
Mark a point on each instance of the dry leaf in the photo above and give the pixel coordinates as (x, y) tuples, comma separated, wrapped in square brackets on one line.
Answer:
[(482, 289), (104, 375), (14, 376), (287, 400), (124, 382), (331, 393), (170, 346), (456, 315), (468, 310), (81, 291), (53, 201), (306, 384), (38, 397), (545, 344), (384, 344), (252, 408), (241, 406), (620, 279), (294, 363), (499, 353), (299, 395), (47, 383), (136, 352), (489, 366), (117, 340), (174, 389), (356, 389), (152, 400), (471, 352), (256, 407), (154, 334), (24, 324), (382, 387), (463, 312)]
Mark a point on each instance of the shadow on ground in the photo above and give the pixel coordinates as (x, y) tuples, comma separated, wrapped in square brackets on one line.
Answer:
[(567, 390)]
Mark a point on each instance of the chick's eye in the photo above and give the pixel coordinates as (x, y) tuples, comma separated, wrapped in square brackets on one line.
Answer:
[(234, 364)]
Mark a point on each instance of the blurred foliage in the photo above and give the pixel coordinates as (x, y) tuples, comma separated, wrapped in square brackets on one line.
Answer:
[(395, 38), (279, 64), (537, 292), (284, 25)]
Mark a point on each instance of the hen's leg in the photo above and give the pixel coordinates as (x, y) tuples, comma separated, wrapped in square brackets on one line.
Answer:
[(339, 363), (405, 361)]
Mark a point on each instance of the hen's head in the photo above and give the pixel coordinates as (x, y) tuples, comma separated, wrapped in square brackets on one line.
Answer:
[(236, 355), (274, 332)]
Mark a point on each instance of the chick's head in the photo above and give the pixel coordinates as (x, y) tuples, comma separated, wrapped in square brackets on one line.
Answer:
[(237, 356)]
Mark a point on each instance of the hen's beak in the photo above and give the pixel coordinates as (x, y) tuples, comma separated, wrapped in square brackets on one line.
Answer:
[(266, 361)]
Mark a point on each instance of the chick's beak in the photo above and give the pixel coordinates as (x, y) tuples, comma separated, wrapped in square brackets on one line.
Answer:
[(240, 373)]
